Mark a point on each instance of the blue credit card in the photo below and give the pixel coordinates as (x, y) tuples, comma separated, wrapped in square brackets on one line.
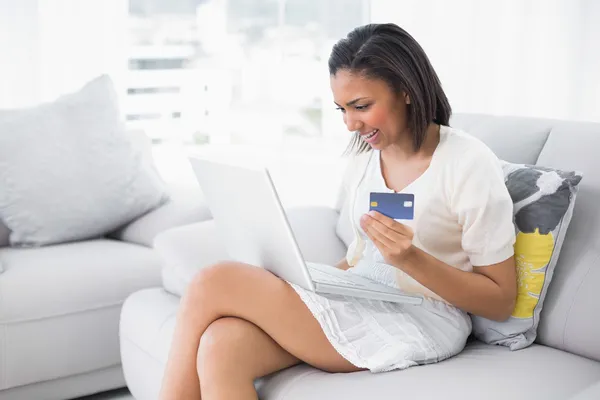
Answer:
[(393, 205)]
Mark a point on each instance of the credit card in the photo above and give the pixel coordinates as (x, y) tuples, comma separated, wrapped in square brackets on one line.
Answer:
[(393, 205)]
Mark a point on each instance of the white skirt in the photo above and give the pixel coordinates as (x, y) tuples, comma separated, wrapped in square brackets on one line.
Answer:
[(383, 336)]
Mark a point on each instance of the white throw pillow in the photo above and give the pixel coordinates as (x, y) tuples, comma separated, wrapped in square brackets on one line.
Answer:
[(69, 171)]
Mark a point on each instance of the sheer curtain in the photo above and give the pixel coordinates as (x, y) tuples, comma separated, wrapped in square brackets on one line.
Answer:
[(52, 47), (537, 58)]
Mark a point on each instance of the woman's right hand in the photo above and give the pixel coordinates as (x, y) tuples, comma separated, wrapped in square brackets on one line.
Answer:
[(343, 264)]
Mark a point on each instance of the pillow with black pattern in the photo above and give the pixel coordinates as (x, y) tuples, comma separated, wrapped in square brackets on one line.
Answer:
[(543, 199)]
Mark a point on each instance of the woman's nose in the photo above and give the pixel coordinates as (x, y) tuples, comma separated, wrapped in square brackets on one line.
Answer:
[(352, 124)]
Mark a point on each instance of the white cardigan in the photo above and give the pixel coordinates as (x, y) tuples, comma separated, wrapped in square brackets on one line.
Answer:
[(466, 213)]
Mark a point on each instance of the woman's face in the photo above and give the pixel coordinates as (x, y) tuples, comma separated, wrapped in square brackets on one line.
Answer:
[(370, 108)]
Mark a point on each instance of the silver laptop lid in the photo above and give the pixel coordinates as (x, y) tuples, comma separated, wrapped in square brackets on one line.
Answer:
[(250, 218)]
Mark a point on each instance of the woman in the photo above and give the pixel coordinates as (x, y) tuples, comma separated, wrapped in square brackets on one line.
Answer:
[(457, 252)]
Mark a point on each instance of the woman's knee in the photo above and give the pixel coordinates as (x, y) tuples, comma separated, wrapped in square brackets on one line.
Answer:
[(219, 348), (213, 278)]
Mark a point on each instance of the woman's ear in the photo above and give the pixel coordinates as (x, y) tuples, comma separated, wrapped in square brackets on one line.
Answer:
[(406, 98)]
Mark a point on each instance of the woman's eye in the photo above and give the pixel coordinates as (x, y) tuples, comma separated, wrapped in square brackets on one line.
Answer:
[(362, 107), (340, 109)]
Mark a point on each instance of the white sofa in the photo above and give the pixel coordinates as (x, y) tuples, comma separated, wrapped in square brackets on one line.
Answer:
[(564, 361), (60, 305)]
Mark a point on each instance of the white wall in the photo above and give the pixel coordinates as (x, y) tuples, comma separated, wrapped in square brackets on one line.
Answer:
[(521, 57), (50, 47), (19, 53)]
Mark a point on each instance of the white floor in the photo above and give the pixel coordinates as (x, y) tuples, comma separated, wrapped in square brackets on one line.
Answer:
[(121, 394)]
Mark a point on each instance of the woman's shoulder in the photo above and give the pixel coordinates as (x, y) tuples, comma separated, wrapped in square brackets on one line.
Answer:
[(462, 149), (470, 163)]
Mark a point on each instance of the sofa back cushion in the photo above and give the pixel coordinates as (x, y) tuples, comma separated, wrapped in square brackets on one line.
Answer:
[(514, 139), (568, 320)]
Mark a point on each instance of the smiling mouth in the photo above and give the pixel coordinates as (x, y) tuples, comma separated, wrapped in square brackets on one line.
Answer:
[(370, 135)]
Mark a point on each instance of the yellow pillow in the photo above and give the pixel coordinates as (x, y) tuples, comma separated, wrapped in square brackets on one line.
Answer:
[(543, 205)]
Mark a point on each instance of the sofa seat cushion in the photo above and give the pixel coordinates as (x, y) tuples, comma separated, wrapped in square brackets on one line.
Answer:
[(73, 277), (148, 321), (480, 371), (145, 333), (60, 307)]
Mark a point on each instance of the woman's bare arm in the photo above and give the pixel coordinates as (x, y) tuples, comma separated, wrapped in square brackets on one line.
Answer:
[(489, 291)]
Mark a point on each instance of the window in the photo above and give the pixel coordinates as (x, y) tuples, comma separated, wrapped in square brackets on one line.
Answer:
[(247, 78), (149, 90), (139, 117), (144, 64), (257, 68)]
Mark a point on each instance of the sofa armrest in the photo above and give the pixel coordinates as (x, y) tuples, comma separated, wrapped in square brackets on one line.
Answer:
[(186, 205), (186, 249)]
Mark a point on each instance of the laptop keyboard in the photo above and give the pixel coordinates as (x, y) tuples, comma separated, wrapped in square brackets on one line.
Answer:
[(325, 277), (327, 274)]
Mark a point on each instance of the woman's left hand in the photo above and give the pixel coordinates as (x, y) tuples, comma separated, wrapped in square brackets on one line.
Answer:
[(392, 238)]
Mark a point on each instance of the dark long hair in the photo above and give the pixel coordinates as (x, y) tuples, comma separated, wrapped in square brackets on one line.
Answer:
[(389, 53)]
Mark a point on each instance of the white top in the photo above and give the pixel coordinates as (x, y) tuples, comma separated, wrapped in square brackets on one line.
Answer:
[(463, 212)]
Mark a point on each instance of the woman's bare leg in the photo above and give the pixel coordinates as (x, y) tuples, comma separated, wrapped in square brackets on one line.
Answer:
[(233, 353), (252, 294)]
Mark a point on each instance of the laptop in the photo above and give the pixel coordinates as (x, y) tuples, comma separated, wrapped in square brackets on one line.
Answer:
[(251, 220)]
